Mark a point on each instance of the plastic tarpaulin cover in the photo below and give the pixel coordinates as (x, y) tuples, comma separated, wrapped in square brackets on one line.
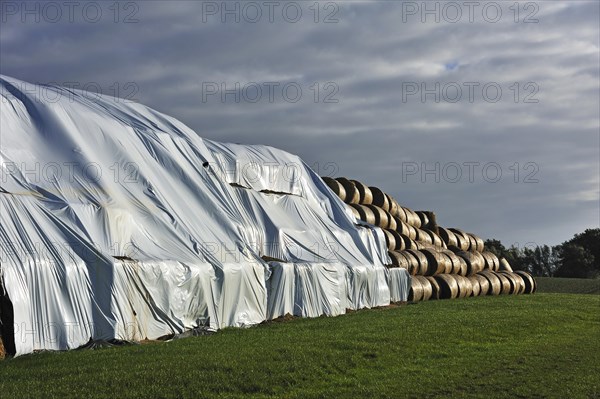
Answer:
[(118, 221)]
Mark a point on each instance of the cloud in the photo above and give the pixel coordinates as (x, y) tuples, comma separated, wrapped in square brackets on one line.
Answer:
[(381, 92)]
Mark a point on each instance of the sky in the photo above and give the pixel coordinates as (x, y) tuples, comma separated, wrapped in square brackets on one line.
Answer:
[(487, 113)]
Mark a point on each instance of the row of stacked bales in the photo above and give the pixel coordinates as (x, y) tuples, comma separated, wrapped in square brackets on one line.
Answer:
[(444, 262)]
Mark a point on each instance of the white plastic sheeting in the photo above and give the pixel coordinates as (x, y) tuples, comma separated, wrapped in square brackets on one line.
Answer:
[(399, 283), (307, 289), (120, 222)]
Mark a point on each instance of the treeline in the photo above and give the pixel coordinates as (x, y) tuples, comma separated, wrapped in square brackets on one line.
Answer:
[(578, 257)]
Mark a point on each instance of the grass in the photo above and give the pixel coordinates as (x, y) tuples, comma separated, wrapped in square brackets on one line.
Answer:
[(534, 346), (568, 285)]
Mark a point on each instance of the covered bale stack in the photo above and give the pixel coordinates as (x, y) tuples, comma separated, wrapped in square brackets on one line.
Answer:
[(445, 263)]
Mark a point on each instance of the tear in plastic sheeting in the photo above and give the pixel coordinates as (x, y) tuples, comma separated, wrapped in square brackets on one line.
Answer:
[(121, 223)]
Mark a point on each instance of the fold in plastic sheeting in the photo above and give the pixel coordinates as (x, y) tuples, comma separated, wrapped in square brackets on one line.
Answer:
[(307, 289), (399, 283), (120, 222)]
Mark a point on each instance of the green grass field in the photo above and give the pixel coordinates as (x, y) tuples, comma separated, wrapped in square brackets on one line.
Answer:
[(530, 346), (568, 285)]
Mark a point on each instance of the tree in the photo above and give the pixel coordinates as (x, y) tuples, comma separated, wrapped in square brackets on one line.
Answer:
[(542, 260), (589, 240), (519, 259), (578, 257), (576, 262)]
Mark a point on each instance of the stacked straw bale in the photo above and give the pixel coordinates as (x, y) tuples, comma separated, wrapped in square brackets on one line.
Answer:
[(444, 263)]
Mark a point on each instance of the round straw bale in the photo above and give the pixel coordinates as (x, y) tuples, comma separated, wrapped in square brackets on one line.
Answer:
[(495, 285), (448, 286), (364, 192), (423, 217), (381, 216), (491, 260), (436, 261), (454, 264), (436, 240), (465, 287), (505, 266), (336, 187), (507, 284), (472, 242), (475, 285), (390, 240), (479, 245), (448, 237), (435, 287), (520, 283), (413, 218), (393, 204), (352, 195), (398, 260), (513, 283), (427, 288), (379, 198), (401, 214), (464, 242), (484, 284), (423, 236), (475, 262), (366, 214), (448, 263), (392, 221), (413, 263), (416, 290), (527, 280), (422, 259), (407, 230), (354, 209), (408, 242), (397, 239)]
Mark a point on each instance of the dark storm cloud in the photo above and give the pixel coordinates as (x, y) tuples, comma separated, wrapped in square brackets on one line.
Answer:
[(368, 60)]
